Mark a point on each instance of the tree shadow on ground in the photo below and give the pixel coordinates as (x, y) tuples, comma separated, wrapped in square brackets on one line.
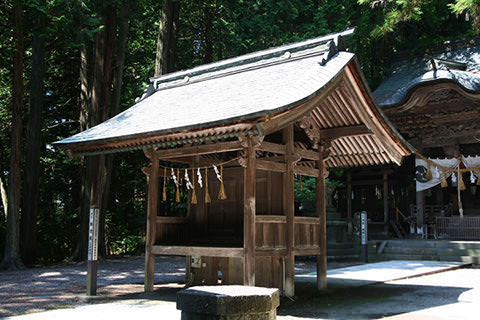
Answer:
[(365, 302), (40, 289)]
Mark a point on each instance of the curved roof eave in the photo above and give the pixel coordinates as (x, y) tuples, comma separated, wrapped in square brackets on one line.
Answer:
[(467, 81), (240, 97)]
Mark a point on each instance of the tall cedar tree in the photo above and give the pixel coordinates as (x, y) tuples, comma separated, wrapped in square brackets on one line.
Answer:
[(166, 41), (11, 258), (34, 141), (100, 100)]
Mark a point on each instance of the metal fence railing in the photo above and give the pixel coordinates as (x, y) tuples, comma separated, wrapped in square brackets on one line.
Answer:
[(466, 228)]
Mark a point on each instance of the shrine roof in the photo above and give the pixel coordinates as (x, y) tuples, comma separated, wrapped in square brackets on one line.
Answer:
[(257, 94), (226, 92), (457, 62)]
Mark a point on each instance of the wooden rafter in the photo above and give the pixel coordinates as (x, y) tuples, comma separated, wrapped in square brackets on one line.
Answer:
[(347, 131), (199, 150)]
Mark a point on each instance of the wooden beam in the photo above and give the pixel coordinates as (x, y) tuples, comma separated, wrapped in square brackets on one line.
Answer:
[(165, 154), (270, 166), (272, 147), (249, 184), (152, 207), (289, 208), (322, 215), (307, 220), (271, 219), (315, 251), (338, 132), (307, 154), (270, 251), (198, 251), (305, 171), (281, 149)]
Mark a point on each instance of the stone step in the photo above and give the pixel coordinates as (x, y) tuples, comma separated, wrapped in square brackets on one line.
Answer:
[(411, 251), (434, 244), (467, 259), (390, 256)]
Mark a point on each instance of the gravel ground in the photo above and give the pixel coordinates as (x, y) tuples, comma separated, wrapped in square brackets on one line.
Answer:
[(447, 295), (40, 289)]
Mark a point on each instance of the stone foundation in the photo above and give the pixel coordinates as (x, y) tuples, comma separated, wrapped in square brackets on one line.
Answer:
[(228, 303)]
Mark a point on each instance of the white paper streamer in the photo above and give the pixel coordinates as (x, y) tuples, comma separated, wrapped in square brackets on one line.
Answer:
[(187, 181), (472, 177), (217, 173), (199, 175), (174, 177), (454, 178)]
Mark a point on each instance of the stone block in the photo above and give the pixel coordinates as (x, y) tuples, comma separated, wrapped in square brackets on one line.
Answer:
[(228, 303)]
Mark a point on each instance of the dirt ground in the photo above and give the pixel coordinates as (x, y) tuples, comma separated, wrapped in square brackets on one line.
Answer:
[(39, 289), (446, 295)]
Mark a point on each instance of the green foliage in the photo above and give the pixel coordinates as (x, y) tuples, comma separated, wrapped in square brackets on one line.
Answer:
[(471, 8), (401, 12)]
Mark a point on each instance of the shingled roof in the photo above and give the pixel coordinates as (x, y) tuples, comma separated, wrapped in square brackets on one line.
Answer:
[(246, 95), (455, 62)]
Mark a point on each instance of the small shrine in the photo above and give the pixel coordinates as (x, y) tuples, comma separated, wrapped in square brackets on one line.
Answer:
[(231, 137)]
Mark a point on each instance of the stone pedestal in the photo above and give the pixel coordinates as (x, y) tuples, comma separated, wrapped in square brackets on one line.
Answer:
[(228, 303)]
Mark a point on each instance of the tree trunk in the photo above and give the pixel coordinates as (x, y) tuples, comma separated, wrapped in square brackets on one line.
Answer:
[(117, 83), (95, 108), (80, 251), (207, 16), (165, 55), (32, 167), (11, 259)]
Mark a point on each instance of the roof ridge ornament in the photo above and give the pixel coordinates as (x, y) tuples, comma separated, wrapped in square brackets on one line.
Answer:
[(332, 50)]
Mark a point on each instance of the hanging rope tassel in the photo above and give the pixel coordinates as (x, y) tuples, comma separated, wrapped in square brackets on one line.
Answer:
[(429, 173), (207, 196), (461, 183), (444, 180), (221, 194), (177, 194), (194, 195), (164, 194), (300, 184)]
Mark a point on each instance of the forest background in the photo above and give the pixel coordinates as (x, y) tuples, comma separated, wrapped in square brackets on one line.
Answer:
[(66, 65)]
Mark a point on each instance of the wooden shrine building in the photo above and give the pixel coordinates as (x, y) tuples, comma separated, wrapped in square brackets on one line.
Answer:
[(434, 102), (244, 127)]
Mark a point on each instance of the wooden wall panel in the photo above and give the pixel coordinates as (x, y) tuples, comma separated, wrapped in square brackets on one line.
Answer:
[(269, 272)]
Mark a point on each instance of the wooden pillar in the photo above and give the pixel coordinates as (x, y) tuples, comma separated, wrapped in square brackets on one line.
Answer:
[(321, 210), (420, 209), (249, 185), (152, 208), (349, 195), (385, 201), (289, 208)]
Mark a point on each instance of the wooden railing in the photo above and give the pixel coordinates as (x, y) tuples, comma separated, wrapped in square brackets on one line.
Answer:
[(270, 234), (466, 228)]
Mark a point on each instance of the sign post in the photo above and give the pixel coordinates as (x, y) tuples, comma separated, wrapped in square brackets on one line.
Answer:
[(364, 235), (92, 252)]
